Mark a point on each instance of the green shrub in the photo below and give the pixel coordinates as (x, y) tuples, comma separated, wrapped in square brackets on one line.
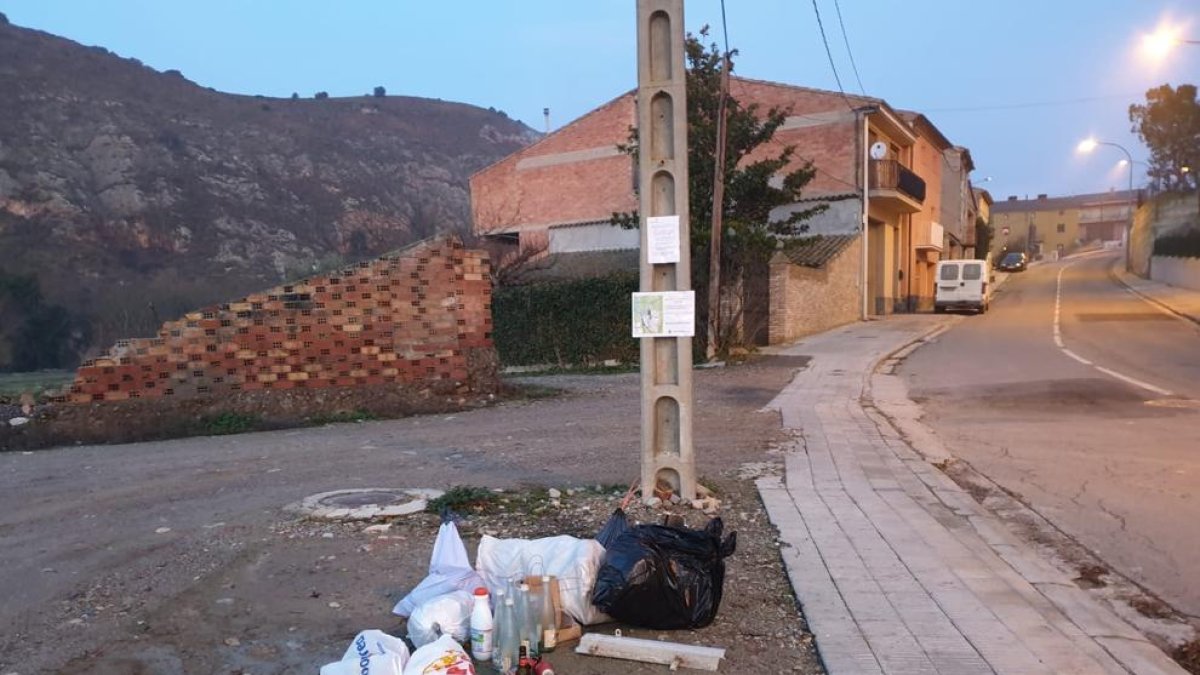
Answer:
[(228, 423), (1185, 245), (565, 323), (464, 500)]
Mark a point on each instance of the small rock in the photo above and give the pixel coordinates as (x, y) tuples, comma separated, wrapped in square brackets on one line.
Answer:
[(698, 504), (327, 535), (555, 502), (703, 492), (335, 605), (377, 529), (162, 530), (232, 642), (654, 502), (554, 493), (675, 499), (18, 421), (75, 622), (224, 601)]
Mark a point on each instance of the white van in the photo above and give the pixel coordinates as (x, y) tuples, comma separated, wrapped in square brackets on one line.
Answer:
[(962, 284)]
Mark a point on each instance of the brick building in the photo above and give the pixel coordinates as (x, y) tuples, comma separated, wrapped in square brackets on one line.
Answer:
[(559, 194), (418, 317), (1056, 225)]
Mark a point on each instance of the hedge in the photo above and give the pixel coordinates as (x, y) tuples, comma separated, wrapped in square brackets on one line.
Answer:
[(1186, 245), (565, 323)]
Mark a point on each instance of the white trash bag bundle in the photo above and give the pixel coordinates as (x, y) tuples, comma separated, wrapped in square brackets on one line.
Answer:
[(371, 652), (449, 571), (574, 561), (448, 614), (374, 652)]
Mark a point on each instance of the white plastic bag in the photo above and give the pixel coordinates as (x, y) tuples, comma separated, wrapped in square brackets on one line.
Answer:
[(449, 571), (443, 656), (448, 614), (574, 561), (372, 652)]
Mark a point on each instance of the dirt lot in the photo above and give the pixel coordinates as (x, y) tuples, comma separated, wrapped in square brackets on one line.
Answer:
[(177, 557)]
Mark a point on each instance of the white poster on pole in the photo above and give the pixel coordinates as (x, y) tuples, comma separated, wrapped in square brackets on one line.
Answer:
[(664, 314), (662, 239)]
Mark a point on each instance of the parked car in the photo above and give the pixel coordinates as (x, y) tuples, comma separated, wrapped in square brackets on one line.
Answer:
[(963, 284), (1014, 261)]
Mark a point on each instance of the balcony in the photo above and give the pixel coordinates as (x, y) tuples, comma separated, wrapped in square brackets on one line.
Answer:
[(894, 187)]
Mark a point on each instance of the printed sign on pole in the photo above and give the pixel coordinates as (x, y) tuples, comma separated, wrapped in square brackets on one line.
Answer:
[(664, 314), (662, 239)]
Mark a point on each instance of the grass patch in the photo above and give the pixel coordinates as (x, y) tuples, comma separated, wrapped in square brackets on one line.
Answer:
[(14, 384), (464, 499), (528, 392), (228, 423), (341, 417)]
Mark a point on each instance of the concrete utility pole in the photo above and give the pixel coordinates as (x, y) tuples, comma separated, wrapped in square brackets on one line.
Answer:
[(667, 403)]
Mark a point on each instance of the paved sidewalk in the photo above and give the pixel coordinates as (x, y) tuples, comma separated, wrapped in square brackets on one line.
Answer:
[(897, 569), (1183, 302)]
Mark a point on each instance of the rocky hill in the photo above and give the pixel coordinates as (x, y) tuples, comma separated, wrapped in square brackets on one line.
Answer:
[(131, 195)]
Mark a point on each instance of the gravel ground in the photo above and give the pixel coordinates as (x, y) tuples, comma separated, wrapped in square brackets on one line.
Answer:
[(177, 557)]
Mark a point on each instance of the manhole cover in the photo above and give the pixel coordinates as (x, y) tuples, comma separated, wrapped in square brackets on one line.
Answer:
[(1186, 403), (365, 503)]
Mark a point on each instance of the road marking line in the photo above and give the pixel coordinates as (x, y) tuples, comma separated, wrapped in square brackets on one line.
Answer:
[(1077, 357), (1135, 382), (1058, 341)]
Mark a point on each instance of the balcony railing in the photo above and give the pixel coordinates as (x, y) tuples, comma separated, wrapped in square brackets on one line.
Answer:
[(888, 174)]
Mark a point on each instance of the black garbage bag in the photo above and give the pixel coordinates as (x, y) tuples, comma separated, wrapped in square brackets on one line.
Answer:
[(617, 525), (664, 578)]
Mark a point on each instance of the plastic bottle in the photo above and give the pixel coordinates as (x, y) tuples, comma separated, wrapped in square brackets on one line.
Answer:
[(510, 648), (549, 621), (482, 626)]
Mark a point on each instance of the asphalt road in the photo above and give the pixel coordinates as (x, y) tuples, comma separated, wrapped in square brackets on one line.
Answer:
[(1098, 428)]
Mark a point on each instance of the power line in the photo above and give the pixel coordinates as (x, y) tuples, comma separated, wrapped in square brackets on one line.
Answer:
[(838, 6), (837, 78), (1033, 104)]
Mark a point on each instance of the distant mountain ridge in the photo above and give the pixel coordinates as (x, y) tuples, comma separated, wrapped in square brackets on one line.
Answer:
[(134, 195)]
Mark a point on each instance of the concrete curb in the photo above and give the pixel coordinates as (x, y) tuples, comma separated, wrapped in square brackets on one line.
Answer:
[(1053, 563), (1119, 278)]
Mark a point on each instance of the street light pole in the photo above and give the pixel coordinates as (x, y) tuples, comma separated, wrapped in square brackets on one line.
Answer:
[(1087, 146)]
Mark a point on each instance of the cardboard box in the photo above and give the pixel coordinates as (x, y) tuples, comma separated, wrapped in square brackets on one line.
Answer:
[(568, 629)]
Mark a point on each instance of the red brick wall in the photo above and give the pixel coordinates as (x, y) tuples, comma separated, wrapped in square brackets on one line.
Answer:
[(416, 316), (507, 198)]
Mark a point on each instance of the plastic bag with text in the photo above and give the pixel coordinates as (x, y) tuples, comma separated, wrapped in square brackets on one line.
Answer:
[(664, 578), (448, 614), (449, 571), (573, 561), (443, 656), (371, 652)]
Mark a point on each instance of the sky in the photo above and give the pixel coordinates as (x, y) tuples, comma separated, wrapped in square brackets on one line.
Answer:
[(1018, 82)]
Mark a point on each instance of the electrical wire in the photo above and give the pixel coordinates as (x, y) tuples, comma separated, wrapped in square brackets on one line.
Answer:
[(829, 53), (838, 6)]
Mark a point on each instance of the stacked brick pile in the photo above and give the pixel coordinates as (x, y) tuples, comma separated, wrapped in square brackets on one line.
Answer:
[(417, 316)]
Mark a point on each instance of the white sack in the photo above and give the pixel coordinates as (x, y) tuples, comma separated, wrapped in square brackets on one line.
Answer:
[(371, 652), (574, 561), (449, 571), (448, 614)]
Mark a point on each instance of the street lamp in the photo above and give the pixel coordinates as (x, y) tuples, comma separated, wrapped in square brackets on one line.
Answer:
[(1158, 45), (1089, 144)]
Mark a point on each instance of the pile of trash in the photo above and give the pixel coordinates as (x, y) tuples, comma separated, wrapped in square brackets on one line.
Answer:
[(524, 598)]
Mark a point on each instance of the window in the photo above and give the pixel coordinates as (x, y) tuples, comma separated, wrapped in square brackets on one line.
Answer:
[(972, 272), (1062, 228), (949, 273)]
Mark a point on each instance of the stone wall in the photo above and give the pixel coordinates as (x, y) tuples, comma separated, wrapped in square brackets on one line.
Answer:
[(419, 317), (806, 300)]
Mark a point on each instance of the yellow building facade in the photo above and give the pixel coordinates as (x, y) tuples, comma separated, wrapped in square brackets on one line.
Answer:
[(1056, 226)]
